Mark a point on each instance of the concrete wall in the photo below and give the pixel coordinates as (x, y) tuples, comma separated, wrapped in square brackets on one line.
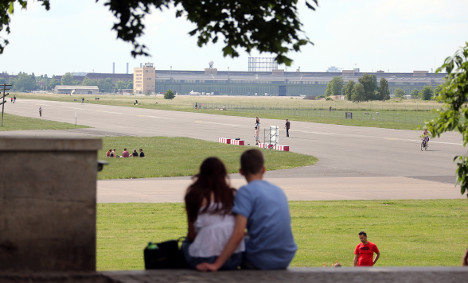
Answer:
[(48, 204)]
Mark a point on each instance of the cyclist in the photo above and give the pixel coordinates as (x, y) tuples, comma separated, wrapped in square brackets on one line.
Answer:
[(425, 136)]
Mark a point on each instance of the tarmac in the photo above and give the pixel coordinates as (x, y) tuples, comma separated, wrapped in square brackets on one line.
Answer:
[(159, 190), (355, 163)]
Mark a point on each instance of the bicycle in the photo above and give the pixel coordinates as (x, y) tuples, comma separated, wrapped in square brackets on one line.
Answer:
[(424, 144)]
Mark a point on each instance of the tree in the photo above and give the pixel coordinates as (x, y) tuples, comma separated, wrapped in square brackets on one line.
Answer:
[(437, 91), (399, 93), (24, 82), (106, 85), (349, 90), (128, 84), (53, 83), (370, 86), (384, 92), (269, 26), (89, 82), (67, 79), (169, 94), (358, 93), (454, 115), (335, 86), (427, 92), (415, 94)]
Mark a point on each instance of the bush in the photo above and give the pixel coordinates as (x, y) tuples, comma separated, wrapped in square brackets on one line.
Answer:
[(169, 94)]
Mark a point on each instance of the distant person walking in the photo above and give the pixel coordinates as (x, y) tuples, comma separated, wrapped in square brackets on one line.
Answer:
[(287, 126), (257, 122), (40, 111), (256, 136), (14, 99), (364, 252)]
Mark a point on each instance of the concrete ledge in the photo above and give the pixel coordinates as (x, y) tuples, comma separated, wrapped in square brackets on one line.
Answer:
[(34, 143), (345, 275)]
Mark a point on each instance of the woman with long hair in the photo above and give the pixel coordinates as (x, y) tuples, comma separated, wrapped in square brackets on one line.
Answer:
[(208, 203)]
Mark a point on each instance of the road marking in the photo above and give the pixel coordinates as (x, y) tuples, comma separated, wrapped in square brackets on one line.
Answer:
[(110, 112), (217, 123), (155, 117)]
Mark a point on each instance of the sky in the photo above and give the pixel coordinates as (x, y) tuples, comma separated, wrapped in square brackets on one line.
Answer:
[(372, 35)]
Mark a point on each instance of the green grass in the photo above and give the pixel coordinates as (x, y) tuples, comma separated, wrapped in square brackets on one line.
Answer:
[(169, 157), (19, 123), (394, 114), (407, 232)]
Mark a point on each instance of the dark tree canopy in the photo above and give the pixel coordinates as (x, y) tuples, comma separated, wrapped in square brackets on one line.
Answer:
[(369, 82), (270, 26)]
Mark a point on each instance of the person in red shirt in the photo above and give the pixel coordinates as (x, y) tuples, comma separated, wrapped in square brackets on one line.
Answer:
[(364, 252)]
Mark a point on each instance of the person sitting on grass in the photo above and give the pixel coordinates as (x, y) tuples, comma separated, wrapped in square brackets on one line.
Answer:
[(125, 153), (142, 154), (134, 153), (208, 203), (263, 209)]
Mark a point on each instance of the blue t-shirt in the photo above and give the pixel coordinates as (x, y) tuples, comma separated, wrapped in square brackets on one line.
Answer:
[(271, 244)]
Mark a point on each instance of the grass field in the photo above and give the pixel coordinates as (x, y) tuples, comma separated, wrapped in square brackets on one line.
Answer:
[(19, 123), (407, 232), (396, 114), (168, 157)]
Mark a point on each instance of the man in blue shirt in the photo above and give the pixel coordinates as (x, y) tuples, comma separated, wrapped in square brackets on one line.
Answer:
[(263, 209)]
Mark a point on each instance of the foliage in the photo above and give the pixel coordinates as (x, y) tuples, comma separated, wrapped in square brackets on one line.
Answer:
[(89, 82), (105, 85), (384, 92), (169, 94), (349, 90), (454, 117), (67, 79), (399, 93), (53, 83), (24, 83), (269, 26), (415, 94), (124, 84), (359, 93), (370, 86), (335, 86), (427, 92)]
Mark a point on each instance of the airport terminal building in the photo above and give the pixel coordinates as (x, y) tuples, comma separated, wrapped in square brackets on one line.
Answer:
[(279, 82)]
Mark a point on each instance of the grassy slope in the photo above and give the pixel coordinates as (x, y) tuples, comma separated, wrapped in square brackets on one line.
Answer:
[(19, 123), (167, 157)]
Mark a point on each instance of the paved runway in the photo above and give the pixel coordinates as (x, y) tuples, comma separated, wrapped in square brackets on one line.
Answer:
[(354, 162)]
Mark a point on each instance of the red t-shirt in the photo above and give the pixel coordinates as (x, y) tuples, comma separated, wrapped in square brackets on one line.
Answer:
[(366, 253)]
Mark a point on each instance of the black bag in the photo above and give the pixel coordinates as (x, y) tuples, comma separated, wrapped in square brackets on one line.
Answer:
[(164, 255)]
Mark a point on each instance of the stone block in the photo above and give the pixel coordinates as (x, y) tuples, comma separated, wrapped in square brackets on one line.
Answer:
[(48, 204)]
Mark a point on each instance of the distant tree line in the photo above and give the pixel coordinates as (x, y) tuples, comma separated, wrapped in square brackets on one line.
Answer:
[(27, 83), (367, 89)]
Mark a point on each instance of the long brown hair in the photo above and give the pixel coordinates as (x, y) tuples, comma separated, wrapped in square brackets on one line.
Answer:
[(211, 182)]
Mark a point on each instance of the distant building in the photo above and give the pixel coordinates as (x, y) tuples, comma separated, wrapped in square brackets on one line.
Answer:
[(76, 89), (144, 79), (262, 64), (333, 69)]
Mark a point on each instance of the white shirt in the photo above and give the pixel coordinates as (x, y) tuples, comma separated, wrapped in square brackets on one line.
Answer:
[(213, 232)]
